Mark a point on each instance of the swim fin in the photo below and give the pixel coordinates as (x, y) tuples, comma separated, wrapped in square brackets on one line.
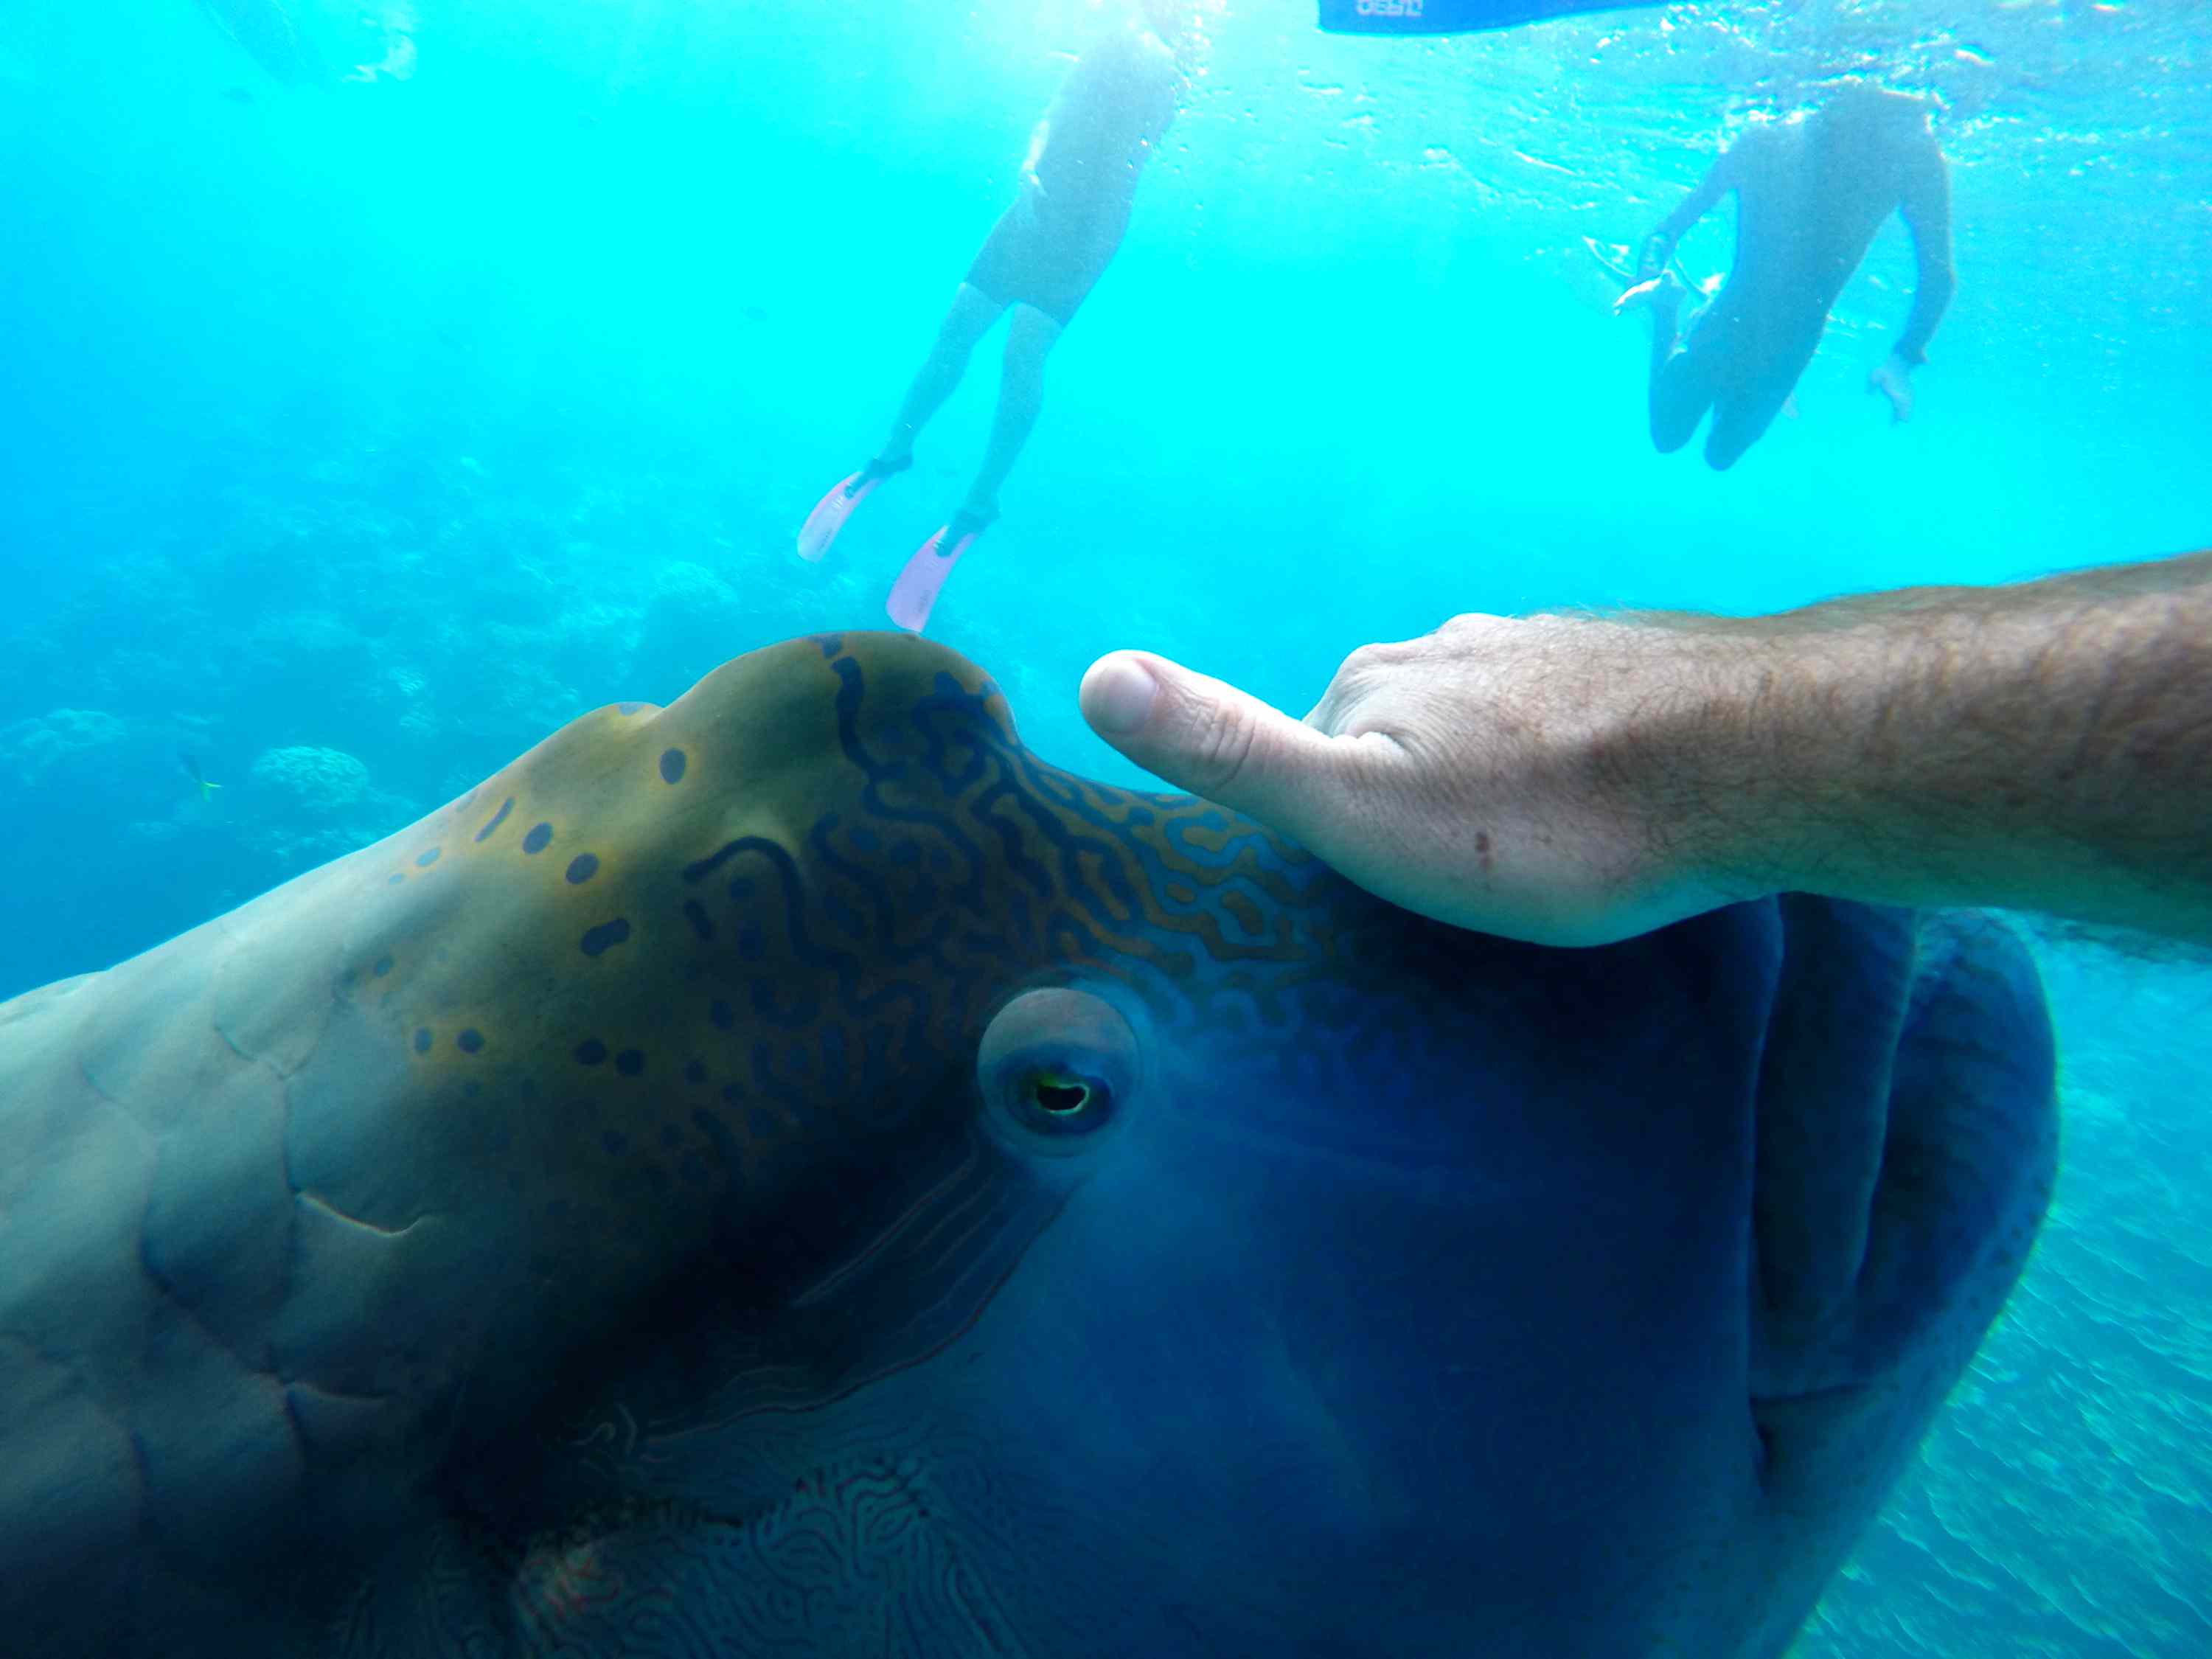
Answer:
[(916, 589), (1453, 16), (830, 513)]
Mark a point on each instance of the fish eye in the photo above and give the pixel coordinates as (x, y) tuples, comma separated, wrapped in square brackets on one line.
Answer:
[(1055, 1067)]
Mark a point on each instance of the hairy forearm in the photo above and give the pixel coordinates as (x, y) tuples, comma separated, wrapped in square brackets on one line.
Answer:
[(2046, 745)]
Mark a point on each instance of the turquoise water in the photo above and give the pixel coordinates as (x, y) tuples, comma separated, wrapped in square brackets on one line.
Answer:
[(401, 420)]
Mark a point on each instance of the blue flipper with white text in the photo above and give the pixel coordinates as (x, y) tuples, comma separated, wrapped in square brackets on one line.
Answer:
[(1453, 16)]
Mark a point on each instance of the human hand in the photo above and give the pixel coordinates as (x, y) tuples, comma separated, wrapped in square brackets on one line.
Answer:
[(1893, 380), (1554, 779), (1573, 780)]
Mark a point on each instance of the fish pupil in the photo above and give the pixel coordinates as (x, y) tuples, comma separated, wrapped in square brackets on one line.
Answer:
[(1060, 1096)]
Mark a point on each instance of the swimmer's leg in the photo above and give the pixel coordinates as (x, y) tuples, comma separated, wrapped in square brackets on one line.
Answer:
[(1683, 381), (1738, 423), (1030, 340), (1744, 409), (972, 313), (971, 316)]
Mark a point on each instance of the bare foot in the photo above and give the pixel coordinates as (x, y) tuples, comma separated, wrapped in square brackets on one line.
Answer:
[(1664, 289)]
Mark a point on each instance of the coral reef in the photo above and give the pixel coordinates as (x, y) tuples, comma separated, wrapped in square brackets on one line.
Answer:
[(315, 782), (56, 748)]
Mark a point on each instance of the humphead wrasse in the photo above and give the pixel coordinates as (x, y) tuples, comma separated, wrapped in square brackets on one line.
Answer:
[(792, 1173)]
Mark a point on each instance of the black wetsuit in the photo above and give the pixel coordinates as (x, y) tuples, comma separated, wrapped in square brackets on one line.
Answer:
[(1052, 245), (1810, 194)]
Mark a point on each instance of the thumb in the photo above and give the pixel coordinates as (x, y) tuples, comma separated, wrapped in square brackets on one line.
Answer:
[(1209, 738)]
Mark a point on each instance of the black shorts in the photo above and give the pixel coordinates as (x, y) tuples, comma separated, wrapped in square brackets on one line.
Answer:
[(1035, 256)]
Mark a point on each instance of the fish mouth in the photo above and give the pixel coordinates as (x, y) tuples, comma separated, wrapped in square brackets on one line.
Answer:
[(1809, 1396)]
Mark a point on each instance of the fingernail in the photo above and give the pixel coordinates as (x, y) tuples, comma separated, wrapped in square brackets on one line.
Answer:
[(1121, 693)]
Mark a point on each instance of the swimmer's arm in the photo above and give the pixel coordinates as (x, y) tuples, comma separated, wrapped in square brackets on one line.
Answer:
[(1926, 209), (1074, 107), (1573, 780), (1164, 94), (1131, 92), (2042, 746), (1039, 137), (1659, 245), (1074, 126)]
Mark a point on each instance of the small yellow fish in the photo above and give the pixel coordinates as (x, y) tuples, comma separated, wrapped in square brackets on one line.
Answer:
[(192, 768)]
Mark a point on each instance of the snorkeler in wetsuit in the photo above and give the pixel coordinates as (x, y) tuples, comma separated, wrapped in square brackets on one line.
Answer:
[(1811, 191), (1040, 261)]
